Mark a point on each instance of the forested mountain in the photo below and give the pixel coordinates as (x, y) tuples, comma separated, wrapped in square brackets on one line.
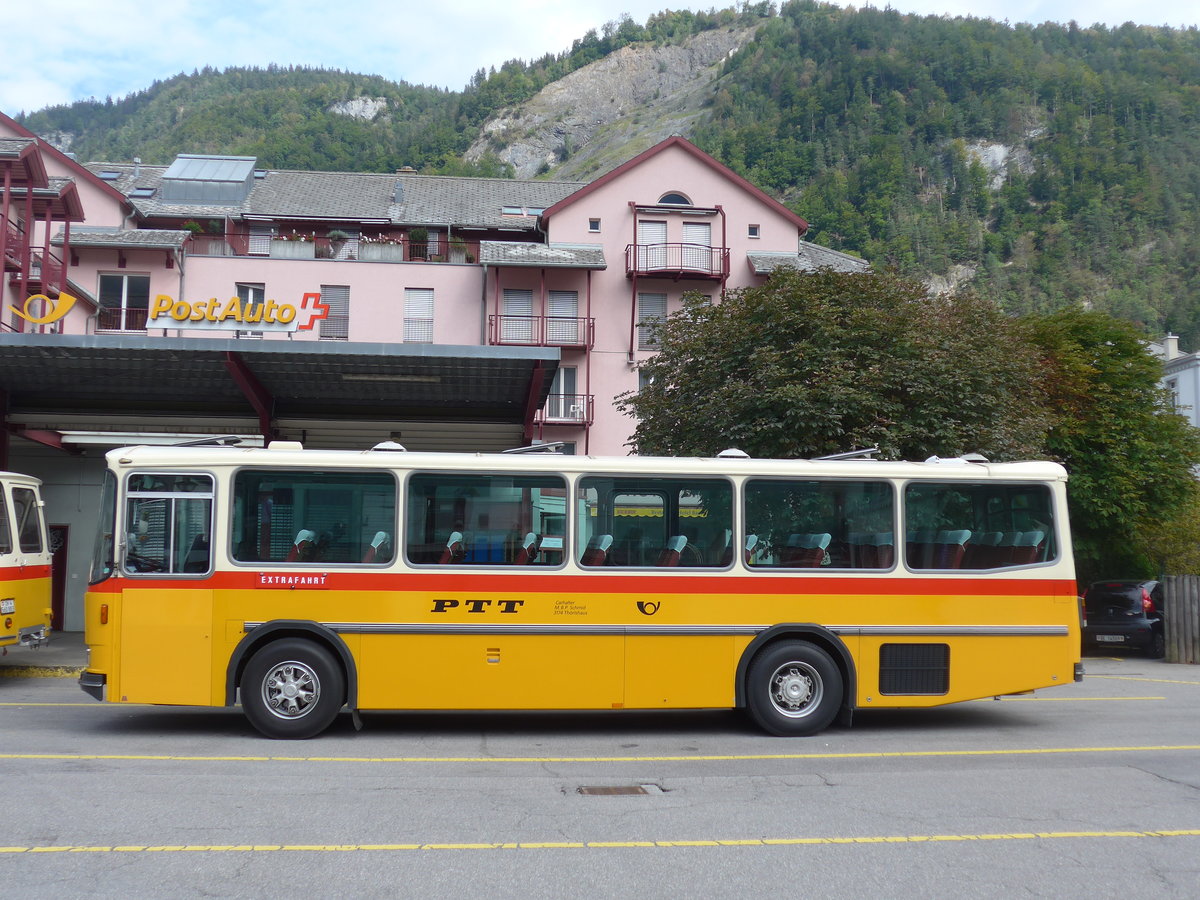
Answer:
[(1044, 165)]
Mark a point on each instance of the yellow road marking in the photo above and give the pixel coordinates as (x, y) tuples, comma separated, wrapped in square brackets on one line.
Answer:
[(1140, 678), (603, 845), (537, 760)]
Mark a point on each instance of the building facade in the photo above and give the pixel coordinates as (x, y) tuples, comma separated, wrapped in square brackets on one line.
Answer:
[(450, 285)]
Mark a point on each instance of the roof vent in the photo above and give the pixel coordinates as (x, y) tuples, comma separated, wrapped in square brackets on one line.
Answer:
[(733, 453), (390, 446), (285, 445)]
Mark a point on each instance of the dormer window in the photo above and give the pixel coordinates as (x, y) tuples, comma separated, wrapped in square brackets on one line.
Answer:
[(674, 198)]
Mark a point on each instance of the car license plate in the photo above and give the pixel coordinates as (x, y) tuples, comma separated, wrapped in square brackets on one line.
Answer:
[(1111, 638), (8, 606)]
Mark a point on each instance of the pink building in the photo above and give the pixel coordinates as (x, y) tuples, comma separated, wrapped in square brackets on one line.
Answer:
[(213, 296)]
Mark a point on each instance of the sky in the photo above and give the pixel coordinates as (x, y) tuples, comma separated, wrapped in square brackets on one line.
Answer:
[(78, 49)]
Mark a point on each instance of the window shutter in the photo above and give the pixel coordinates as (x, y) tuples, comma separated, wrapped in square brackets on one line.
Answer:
[(418, 315)]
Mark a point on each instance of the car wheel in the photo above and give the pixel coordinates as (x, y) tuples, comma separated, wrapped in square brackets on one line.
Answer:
[(1158, 645), (292, 689), (793, 688)]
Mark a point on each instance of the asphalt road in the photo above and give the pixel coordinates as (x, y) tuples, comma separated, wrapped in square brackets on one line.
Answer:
[(1089, 790)]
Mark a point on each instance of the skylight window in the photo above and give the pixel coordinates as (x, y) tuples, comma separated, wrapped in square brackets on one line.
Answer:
[(109, 175), (142, 192), (522, 210)]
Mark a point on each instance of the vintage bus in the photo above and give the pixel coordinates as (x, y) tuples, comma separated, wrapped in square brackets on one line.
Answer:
[(301, 582), (24, 563)]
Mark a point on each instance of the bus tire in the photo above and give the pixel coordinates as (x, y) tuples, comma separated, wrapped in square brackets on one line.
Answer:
[(793, 688), (292, 689)]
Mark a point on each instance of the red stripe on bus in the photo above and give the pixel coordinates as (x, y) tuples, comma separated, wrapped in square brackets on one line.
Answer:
[(23, 573)]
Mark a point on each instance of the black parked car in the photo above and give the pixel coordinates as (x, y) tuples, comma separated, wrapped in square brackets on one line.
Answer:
[(1124, 614)]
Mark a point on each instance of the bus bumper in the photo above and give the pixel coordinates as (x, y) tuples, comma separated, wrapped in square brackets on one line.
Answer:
[(93, 684), (34, 637)]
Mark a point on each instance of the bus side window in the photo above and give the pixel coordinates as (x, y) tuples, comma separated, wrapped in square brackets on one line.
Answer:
[(6, 544)]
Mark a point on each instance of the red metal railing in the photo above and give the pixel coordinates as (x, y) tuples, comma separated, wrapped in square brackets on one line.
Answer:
[(13, 245), (116, 318), (566, 409), (542, 331), (677, 261), (48, 270)]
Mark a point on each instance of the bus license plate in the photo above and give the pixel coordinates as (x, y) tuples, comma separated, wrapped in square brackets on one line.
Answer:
[(8, 606), (1111, 638)]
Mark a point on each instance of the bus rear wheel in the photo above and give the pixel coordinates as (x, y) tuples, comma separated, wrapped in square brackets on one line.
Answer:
[(793, 688), (292, 689)]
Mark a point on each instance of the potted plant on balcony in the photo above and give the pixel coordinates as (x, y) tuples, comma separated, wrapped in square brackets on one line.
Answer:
[(381, 249), (418, 243), (293, 245)]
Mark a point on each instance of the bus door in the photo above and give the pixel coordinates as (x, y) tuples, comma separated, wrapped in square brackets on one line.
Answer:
[(166, 610)]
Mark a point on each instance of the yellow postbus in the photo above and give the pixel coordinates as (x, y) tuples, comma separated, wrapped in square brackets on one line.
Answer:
[(301, 582), (24, 563)]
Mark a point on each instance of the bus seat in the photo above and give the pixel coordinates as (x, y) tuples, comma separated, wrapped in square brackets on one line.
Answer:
[(1026, 548), (596, 551), (949, 548), (302, 546), (529, 549), (981, 551), (669, 556), (197, 555), (806, 550), (379, 549), (751, 549), (871, 550), (454, 550), (721, 548)]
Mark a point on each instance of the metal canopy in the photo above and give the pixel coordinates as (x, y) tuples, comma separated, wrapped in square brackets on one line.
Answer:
[(135, 376)]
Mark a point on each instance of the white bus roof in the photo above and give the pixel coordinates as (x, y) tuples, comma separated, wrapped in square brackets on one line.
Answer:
[(289, 454)]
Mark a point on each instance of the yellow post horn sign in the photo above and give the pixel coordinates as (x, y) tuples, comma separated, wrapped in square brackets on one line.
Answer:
[(52, 310)]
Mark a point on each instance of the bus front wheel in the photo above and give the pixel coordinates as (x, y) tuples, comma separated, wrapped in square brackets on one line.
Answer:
[(793, 688), (292, 689)]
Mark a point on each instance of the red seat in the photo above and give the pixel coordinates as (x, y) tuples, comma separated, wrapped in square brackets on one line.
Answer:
[(596, 551), (669, 556), (805, 550), (380, 549), (454, 550), (529, 549), (302, 547)]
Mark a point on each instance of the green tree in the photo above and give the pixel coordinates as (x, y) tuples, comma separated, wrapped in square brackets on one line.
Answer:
[(1130, 456), (817, 363)]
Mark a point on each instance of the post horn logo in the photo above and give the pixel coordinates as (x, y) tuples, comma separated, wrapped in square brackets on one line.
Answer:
[(647, 608), (52, 310)]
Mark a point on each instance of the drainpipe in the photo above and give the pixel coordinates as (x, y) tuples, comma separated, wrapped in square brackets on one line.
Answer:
[(633, 295), (483, 313)]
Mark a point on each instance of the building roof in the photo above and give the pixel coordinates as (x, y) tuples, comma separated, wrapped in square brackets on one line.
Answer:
[(49, 376), (141, 239), (516, 253), (808, 258), (395, 199)]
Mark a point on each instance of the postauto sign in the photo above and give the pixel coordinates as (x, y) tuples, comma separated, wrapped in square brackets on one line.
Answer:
[(234, 314)]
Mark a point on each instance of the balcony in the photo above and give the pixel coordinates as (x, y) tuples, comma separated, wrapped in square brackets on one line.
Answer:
[(566, 409), (356, 249), (677, 261), (542, 331)]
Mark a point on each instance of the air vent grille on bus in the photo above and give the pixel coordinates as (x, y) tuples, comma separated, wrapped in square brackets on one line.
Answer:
[(914, 669)]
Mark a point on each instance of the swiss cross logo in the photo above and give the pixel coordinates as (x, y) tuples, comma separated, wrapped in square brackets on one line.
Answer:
[(311, 311)]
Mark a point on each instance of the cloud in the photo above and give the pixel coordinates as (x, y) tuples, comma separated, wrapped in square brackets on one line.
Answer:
[(76, 49)]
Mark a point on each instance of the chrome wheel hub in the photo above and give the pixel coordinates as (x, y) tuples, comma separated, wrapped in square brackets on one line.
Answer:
[(291, 689)]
